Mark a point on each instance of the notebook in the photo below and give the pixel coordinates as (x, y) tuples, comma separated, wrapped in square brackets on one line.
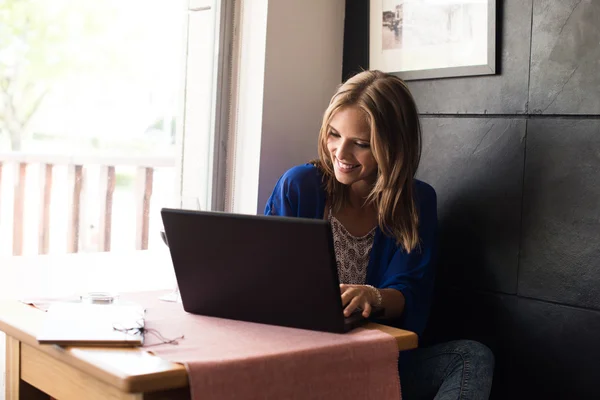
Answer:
[(83, 324)]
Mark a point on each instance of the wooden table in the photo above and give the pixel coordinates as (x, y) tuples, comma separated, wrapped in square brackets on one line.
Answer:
[(35, 371)]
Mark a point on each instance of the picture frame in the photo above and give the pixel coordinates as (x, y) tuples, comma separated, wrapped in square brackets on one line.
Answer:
[(426, 39)]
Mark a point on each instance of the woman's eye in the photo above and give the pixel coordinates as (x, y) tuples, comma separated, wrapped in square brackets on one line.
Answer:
[(334, 134), (363, 145)]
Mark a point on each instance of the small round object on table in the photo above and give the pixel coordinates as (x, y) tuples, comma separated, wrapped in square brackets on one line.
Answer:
[(99, 297)]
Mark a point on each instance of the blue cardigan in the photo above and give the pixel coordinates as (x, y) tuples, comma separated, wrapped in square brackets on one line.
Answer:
[(300, 192)]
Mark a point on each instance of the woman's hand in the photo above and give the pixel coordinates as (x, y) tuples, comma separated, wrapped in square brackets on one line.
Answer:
[(358, 296)]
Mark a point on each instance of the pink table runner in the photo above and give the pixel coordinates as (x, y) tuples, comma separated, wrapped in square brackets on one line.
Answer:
[(228, 359)]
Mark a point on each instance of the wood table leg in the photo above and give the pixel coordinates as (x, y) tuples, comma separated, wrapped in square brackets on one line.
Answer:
[(16, 388)]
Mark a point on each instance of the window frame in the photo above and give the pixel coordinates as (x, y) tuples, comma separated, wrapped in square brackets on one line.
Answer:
[(201, 131)]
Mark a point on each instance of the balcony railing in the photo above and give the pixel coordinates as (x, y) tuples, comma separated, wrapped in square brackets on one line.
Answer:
[(77, 202)]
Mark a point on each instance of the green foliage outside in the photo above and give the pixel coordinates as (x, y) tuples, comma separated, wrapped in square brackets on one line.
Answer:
[(123, 179), (45, 42), (38, 46)]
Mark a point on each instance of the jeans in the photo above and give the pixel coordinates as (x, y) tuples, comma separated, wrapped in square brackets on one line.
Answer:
[(461, 369)]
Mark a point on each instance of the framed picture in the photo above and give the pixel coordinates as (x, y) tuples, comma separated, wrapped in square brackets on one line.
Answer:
[(422, 39)]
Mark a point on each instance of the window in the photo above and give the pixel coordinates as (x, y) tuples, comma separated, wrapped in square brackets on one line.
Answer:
[(108, 112)]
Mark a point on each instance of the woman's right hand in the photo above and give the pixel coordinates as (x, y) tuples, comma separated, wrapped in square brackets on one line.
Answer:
[(358, 296)]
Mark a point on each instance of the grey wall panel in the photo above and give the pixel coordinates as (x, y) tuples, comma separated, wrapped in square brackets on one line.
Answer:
[(504, 93), (565, 57), (556, 351), (476, 167), (560, 255)]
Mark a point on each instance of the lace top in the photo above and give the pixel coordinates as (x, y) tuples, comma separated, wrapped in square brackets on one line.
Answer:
[(351, 252)]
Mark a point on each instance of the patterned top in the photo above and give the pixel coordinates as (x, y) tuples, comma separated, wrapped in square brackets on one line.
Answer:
[(351, 252)]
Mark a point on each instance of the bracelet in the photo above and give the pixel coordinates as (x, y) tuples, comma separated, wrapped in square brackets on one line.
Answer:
[(378, 298)]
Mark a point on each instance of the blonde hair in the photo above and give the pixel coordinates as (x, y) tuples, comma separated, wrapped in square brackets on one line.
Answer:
[(392, 115)]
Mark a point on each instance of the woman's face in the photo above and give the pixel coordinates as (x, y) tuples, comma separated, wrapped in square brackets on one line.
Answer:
[(348, 143)]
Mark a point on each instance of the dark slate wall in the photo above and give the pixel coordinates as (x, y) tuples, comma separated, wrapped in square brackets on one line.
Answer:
[(515, 160)]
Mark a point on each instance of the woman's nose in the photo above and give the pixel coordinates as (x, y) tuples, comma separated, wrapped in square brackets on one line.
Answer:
[(343, 150)]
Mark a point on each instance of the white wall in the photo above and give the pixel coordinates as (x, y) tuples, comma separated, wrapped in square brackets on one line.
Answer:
[(300, 69), (303, 69)]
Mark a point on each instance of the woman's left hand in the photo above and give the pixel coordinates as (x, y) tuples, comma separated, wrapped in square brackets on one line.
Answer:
[(355, 296)]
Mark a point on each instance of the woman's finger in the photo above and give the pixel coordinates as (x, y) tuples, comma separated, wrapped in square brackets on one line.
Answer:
[(351, 306), (366, 309), (348, 295)]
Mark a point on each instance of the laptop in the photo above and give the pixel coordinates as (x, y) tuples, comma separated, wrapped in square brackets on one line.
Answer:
[(265, 269)]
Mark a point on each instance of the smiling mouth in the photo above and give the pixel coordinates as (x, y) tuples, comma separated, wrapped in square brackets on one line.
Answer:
[(345, 167)]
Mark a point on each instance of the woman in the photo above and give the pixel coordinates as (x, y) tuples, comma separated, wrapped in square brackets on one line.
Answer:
[(384, 225)]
